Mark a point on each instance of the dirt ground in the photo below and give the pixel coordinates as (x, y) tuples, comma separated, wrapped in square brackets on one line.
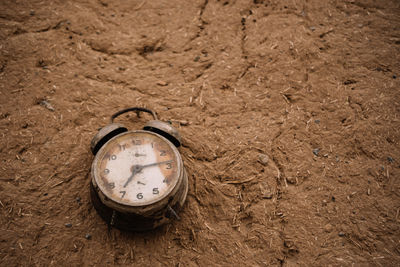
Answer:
[(289, 113)]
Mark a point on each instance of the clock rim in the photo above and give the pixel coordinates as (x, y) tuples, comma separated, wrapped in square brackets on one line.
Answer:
[(123, 206)]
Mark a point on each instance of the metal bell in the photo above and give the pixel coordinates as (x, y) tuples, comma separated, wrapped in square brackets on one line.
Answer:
[(164, 129), (105, 134)]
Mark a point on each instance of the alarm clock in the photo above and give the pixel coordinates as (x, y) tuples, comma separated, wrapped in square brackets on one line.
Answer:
[(138, 180)]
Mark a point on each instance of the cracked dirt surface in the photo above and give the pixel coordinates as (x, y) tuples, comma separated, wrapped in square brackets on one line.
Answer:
[(289, 112)]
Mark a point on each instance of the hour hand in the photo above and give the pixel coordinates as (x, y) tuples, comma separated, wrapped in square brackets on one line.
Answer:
[(136, 169)]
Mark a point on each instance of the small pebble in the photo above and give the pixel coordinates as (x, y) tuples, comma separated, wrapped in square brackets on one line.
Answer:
[(390, 159), (341, 234), (312, 28), (317, 121), (47, 105), (263, 159), (316, 151), (196, 59), (328, 228), (162, 83), (88, 236), (183, 123), (68, 225)]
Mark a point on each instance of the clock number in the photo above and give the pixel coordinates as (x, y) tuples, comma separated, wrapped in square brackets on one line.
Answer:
[(106, 171), (137, 142), (163, 153), (139, 196), (152, 145), (112, 185), (169, 166), (123, 193), (113, 157), (155, 191), (122, 147)]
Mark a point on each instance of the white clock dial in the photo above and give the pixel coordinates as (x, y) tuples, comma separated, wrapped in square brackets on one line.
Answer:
[(137, 168)]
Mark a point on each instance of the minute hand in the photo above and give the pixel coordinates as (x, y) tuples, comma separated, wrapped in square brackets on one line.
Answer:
[(156, 163)]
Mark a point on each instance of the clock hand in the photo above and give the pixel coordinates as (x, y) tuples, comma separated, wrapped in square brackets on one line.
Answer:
[(136, 169), (154, 164), (139, 168)]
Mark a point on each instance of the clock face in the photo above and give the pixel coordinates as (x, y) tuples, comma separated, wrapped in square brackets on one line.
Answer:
[(137, 168)]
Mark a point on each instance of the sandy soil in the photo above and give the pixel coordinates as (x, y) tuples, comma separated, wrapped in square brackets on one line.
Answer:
[(289, 113)]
